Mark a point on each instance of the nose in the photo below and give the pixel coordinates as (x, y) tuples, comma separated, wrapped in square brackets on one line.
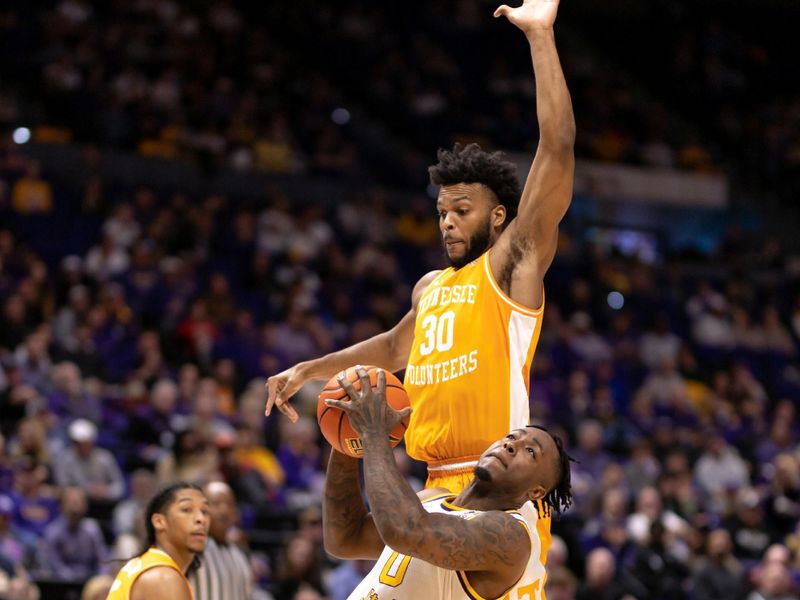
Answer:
[(447, 223), (509, 447)]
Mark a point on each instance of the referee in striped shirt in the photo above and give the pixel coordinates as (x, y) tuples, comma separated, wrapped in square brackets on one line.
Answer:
[(224, 573)]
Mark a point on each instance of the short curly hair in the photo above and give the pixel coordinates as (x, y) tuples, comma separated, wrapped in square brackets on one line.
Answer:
[(470, 164)]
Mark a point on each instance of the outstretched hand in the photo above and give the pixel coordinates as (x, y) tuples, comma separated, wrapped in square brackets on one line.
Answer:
[(367, 409), (280, 388), (532, 15)]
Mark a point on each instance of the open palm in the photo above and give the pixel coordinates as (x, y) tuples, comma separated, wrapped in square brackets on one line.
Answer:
[(533, 14)]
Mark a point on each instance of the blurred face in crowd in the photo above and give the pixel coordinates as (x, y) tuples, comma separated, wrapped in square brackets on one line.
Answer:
[(222, 506), (74, 504), (719, 543), (599, 568), (469, 220)]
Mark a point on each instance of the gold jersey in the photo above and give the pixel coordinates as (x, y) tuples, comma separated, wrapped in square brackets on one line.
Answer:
[(127, 576), (468, 371)]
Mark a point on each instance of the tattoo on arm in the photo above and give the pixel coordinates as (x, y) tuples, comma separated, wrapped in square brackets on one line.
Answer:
[(344, 514), (492, 541)]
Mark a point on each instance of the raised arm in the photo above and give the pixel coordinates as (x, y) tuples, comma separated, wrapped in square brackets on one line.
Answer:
[(388, 350), (494, 543), (524, 251)]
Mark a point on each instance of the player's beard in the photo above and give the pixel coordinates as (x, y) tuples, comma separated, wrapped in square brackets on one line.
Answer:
[(477, 244), (483, 474)]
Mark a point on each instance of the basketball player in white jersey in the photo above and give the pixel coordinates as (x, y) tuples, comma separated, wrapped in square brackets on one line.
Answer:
[(471, 546)]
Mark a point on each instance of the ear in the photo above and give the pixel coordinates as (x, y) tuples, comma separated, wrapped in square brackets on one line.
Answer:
[(498, 215), (537, 493), (159, 522)]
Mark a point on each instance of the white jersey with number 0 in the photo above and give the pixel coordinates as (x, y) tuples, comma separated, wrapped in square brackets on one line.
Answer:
[(399, 577)]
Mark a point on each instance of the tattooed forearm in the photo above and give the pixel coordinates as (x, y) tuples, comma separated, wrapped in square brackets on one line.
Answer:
[(444, 540), (345, 520)]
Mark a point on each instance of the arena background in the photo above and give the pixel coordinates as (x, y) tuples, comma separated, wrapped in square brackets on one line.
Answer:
[(196, 195)]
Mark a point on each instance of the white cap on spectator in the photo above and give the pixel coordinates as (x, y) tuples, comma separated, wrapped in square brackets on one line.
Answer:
[(82, 430)]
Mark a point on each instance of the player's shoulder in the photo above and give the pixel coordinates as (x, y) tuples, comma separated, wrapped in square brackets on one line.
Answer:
[(422, 284), (160, 581), (427, 279)]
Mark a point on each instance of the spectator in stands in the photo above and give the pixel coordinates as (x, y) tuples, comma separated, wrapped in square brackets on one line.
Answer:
[(750, 533), (86, 466), (561, 584), (31, 194), (258, 473), (31, 440), (127, 511), (720, 468), (152, 428), (602, 580), (299, 568), (660, 344), (13, 549), (34, 504), (72, 548), (70, 400), (657, 568), (782, 504), (300, 457), (106, 260), (193, 459), (774, 583), (721, 577)]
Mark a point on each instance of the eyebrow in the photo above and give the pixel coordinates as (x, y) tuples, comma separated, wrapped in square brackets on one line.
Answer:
[(456, 199), (190, 499)]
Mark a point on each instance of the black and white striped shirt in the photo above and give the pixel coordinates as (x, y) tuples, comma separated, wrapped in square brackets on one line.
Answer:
[(224, 574)]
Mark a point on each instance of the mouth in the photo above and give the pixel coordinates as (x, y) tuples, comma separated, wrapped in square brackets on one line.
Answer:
[(497, 457), (199, 536)]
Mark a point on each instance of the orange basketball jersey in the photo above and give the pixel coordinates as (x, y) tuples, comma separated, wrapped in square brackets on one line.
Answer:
[(468, 371), (123, 584)]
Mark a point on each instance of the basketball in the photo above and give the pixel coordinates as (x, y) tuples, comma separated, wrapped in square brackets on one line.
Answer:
[(335, 425)]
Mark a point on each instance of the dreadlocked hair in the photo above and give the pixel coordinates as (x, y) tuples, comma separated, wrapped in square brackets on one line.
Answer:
[(560, 497), (470, 164), (159, 504)]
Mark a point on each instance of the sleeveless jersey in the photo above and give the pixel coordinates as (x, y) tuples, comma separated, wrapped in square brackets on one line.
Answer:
[(399, 577), (123, 584), (468, 371)]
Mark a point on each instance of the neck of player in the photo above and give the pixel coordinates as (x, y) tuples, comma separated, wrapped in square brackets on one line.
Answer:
[(183, 557)]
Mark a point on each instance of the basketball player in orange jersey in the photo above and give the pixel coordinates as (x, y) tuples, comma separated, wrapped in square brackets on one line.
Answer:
[(177, 522), (473, 327), (451, 547)]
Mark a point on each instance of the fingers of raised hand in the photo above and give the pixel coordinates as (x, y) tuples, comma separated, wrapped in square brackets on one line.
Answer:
[(344, 405), (286, 408), (363, 377), (347, 387), (502, 11), (272, 393)]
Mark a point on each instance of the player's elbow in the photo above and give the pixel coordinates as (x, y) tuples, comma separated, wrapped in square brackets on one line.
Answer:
[(336, 545), (396, 538)]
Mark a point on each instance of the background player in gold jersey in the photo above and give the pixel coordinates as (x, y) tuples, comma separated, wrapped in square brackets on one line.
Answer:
[(453, 547), (472, 328), (177, 522)]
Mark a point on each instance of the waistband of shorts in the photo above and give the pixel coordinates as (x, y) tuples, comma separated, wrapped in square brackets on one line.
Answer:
[(452, 466)]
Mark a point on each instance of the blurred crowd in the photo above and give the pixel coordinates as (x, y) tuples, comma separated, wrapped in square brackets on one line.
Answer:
[(138, 357), (364, 89), (137, 325)]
